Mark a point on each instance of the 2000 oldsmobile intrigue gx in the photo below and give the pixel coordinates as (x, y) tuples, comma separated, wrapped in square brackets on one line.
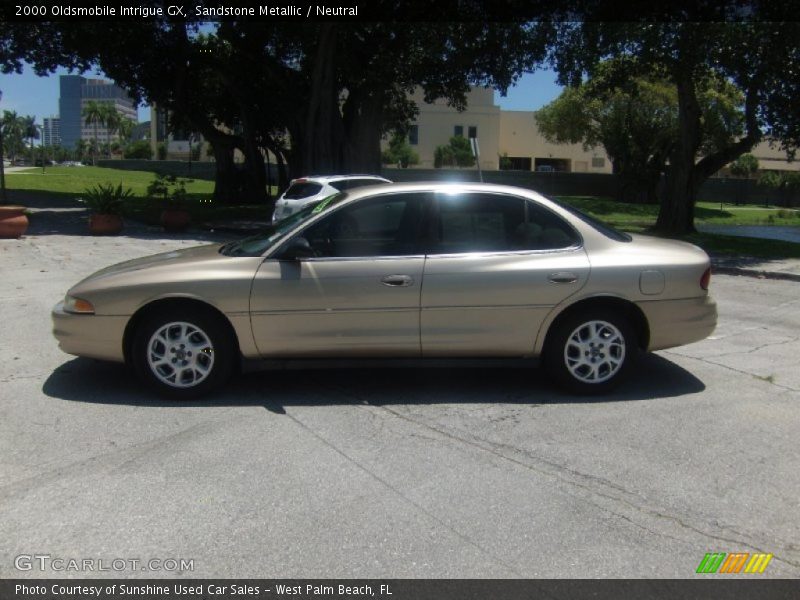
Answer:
[(399, 271)]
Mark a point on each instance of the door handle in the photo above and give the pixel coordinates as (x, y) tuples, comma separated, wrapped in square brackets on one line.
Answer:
[(563, 277), (397, 280)]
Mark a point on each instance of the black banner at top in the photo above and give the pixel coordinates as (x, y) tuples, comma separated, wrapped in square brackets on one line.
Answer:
[(399, 10)]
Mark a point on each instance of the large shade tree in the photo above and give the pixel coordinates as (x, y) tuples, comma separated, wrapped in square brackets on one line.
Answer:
[(317, 95), (754, 46), (634, 118)]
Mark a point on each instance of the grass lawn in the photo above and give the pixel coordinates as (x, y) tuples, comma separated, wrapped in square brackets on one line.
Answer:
[(73, 181), (636, 218)]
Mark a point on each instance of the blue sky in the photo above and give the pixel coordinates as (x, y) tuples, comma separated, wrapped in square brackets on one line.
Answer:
[(31, 95)]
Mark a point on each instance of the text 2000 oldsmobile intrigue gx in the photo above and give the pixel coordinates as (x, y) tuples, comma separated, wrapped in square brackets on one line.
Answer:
[(399, 271)]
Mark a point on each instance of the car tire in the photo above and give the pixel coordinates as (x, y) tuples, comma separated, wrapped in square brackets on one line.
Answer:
[(591, 352), (183, 352)]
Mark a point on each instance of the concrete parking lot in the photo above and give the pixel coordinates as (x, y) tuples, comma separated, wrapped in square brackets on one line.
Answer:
[(390, 472)]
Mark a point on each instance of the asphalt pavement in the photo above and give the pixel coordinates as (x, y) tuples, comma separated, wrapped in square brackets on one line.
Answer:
[(395, 472)]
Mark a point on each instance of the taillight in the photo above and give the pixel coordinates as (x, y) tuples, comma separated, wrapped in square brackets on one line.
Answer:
[(705, 279)]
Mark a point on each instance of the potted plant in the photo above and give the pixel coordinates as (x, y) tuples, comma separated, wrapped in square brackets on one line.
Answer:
[(171, 193), (13, 221), (106, 204)]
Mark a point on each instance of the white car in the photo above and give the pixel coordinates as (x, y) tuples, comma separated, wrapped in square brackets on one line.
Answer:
[(307, 190)]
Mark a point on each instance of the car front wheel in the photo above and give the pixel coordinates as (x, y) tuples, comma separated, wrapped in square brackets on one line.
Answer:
[(183, 353), (591, 353)]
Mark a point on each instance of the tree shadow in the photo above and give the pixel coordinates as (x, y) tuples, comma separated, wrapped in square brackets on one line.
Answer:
[(86, 380)]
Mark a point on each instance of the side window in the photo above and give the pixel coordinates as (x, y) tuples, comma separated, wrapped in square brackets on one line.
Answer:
[(497, 223), (381, 226)]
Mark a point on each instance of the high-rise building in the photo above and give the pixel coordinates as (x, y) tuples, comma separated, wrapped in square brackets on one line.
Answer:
[(76, 92), (51, 132)]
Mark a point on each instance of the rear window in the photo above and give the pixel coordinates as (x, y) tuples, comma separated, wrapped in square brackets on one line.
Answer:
[(301, 190), (350, 184), (604, 228)]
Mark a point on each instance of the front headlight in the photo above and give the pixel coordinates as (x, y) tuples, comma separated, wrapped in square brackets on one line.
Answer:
[(78, 306)]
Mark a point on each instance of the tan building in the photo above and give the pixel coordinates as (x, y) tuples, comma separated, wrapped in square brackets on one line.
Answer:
[(772, 158), (508, 134), (510, 139)]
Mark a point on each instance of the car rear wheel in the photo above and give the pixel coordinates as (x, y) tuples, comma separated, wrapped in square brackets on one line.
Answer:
[(183, 353), (591, 353)]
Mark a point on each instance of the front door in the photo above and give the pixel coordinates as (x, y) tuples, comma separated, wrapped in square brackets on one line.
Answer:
[(357, 297)]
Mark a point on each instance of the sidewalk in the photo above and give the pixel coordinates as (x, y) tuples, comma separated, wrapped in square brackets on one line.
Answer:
[(780, 268)]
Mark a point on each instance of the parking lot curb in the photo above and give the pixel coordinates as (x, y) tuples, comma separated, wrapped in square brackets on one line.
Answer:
[(758, 273)]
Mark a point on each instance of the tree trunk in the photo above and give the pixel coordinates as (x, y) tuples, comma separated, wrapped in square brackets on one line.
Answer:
[(323, 135), (676, 215), (363, 123), (254, 183), (226, 182)]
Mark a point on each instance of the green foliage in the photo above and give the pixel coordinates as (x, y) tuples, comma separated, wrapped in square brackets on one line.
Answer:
[(13, 133), (744, 166), (161, 150), (783, 181), (399, 152), (505, 162), (138, 149), (105, 199), (635, 119), (169, 190), (457, 153)]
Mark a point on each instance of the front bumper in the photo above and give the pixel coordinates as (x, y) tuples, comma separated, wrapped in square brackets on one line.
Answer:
[(94, 336), (678, 322)]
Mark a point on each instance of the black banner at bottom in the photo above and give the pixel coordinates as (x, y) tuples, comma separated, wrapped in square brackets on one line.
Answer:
[(397, 589)]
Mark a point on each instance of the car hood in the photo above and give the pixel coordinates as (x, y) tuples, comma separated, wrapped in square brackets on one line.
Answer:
[(174, 260)]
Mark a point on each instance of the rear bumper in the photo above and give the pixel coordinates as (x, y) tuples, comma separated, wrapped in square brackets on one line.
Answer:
[(678, 322), (94, 336)]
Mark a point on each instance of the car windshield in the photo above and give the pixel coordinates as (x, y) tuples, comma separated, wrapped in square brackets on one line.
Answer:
[(256, 245), (604, 228)]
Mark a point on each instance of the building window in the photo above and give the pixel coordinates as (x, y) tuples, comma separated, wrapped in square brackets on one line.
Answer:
[(472, 132), (458, 131), (598, 163), (413, 135)]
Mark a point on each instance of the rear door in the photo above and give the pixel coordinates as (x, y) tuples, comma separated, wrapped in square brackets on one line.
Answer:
[(496, 265)]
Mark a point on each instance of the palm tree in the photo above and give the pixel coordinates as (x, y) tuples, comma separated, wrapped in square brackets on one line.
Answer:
[(30, 131), (111, 119), (125, 129), (80, 149), (94, 114), (13, 133)]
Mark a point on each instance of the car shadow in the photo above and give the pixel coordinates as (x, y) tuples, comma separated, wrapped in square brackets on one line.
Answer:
[(86, 380)]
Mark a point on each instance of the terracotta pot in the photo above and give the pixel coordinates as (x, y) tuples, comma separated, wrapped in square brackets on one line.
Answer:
[(174, 219), (13, 222), (105, 224)]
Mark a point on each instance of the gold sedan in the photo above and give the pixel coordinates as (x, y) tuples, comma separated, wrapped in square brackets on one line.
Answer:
[(404, 271)]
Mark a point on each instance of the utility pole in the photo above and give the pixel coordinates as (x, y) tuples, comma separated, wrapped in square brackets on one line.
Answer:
[(476, 152)]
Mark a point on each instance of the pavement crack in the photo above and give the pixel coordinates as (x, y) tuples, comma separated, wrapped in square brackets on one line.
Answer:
[(734, 369), (757, 348), (404, 497), (589, 484)]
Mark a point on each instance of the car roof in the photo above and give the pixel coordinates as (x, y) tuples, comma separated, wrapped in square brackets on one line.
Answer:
[(443, 187), (329, 178)]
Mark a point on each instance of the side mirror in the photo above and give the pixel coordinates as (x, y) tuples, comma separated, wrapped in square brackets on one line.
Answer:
[(297, 249)]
